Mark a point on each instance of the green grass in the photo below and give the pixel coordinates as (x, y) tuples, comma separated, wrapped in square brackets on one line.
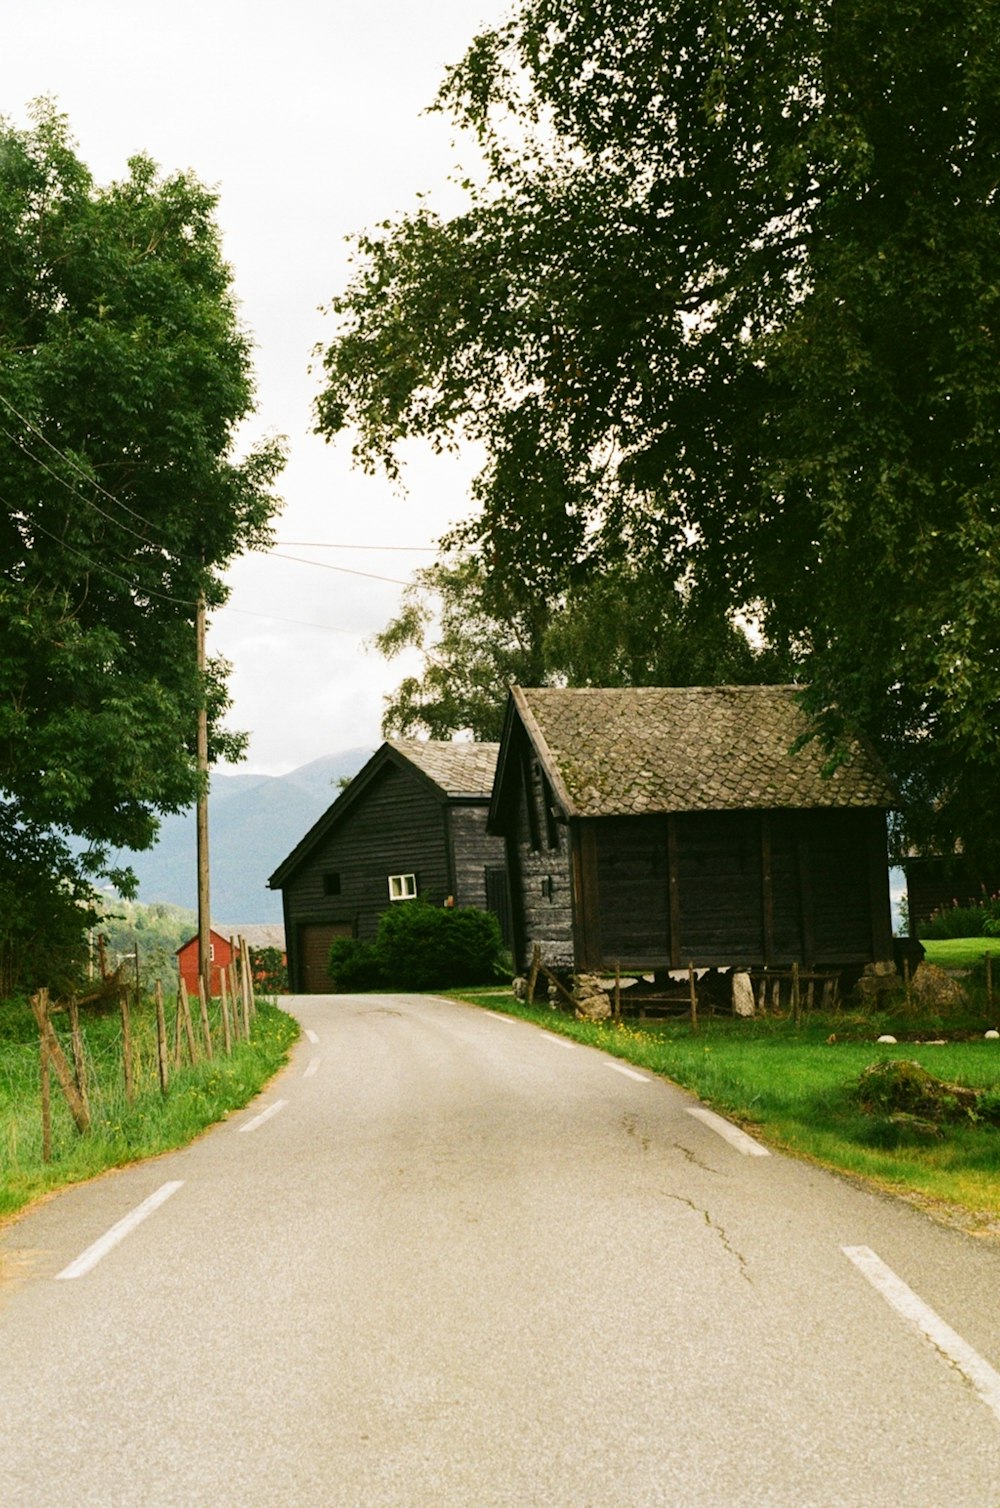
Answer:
[(198, 1095), (791, 1087), (961, 952)]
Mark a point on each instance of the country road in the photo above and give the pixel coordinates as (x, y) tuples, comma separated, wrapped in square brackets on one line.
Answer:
[(449, 1260)]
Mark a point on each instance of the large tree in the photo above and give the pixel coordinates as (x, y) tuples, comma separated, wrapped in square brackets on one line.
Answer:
[(124, 372), (731, 271), (623, 625)]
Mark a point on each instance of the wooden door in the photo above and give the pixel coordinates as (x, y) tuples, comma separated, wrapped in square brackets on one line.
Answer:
[(314, 951)]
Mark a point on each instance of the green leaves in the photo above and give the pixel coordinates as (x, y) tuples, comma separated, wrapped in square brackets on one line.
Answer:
[(123, 375), (727, 298)]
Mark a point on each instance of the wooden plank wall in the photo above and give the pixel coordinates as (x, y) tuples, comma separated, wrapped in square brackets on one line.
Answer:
[(722, 888), (473, 851), (396, 828), (541, 878)]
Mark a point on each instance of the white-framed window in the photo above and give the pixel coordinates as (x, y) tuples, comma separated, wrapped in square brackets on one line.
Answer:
[(402, 887)]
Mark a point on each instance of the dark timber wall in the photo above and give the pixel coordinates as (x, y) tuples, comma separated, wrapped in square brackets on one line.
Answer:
[(396, 827), (722, 888), (539, 863), (474, 851)]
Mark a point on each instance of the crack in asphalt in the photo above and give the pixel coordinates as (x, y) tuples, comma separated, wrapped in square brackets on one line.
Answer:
[(717, 1230), (706, 1167)]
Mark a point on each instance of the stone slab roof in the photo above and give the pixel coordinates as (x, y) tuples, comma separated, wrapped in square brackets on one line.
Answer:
[(460, 769), (698, 748)]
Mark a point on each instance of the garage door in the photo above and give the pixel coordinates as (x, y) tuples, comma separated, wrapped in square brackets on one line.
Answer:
[(314, 950)]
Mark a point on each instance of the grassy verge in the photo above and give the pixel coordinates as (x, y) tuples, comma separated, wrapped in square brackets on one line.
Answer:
[(792, 1088), (199, 1095), (962, 952)]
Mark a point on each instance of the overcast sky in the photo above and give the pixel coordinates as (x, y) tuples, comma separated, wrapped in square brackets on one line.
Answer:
[(308, 119)]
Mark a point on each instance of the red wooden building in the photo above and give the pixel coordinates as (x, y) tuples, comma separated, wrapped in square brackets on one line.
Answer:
[(224, 945)]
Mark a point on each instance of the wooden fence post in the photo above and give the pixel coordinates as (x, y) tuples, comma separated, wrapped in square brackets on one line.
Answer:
[(206, 1030), (57, 1058), (248, 990), (177, 1032), (796, 999), (236, 996), (692, 985), (989, 983), (161, 1039), (618, 993), (43, 1074), (79, 1063), (227, 1035), (184, 1010), (123, 1007), (536, 960)]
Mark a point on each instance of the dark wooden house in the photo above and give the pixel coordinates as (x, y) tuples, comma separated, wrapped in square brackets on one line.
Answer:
[(654, 828), (411, 823)]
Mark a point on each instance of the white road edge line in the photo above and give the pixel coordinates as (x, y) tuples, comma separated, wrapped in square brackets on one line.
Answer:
[(559, 1041), (982, 1376), (629, 1072), (730, 1133), (311, 1035), (265, 1115), (508, 1020), (100, 1248), (311, 1068)]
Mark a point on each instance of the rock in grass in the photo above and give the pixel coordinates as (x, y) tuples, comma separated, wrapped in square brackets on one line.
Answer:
[(992, 1036), (933, 988)]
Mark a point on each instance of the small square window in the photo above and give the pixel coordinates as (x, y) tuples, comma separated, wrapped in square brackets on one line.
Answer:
[(402, 887), (331, 883)]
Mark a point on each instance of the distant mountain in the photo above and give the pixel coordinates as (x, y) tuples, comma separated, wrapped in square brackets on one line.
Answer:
[(254, 822)]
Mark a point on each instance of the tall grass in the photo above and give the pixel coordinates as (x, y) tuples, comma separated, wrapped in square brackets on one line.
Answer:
[(121, 1131), (791, 1086)]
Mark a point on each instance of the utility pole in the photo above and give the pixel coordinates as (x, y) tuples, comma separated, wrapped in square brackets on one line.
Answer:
[(201, 754)]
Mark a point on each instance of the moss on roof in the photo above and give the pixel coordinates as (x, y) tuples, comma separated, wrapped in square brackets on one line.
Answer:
[(624, 752)]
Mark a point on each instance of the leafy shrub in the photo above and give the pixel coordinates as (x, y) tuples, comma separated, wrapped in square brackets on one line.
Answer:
[(424, 947), (269, 971), (355, 965), (957, 921), (979, 920)]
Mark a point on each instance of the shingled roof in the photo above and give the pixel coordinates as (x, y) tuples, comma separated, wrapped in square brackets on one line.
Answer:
[(625, 752), (460, 769)]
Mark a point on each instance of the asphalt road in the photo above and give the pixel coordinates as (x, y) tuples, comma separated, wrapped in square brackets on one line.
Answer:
[(450, 1259)]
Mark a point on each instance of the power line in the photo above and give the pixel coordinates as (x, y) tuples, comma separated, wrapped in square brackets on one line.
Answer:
[(87, 502), (103, 570), (324, 544), (73, 465), (245, 612), (322, 565)]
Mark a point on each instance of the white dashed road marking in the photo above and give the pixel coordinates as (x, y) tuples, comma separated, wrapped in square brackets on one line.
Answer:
[(311, 1035), (311, 1068), (983, 1377), (265, 1115), (629, 1072), (100, 1248), (559, 1041), (730, 1133)]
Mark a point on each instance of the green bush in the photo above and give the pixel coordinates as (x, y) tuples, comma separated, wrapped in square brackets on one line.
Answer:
[(957, 921), (422, 947), (425, 947), (355, 965), (269, 971)]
